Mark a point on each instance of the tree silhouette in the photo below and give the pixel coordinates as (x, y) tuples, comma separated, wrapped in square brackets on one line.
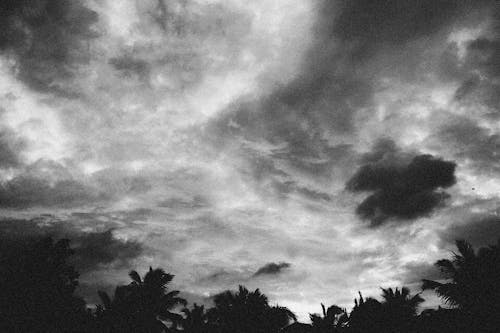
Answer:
[(334, 319), (440, 321), (472, 285), (247, 312), (366, 316), (399, 309), (37, 288), (195, 320), (143, 305), (396, 313), (279, 317)]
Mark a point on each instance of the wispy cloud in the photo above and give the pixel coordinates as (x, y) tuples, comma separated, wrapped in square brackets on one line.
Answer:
[(212, 137)]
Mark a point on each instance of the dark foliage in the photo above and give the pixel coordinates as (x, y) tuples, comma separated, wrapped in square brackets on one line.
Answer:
[(142, 306), (37, 288), (245, 311), (472, 285)]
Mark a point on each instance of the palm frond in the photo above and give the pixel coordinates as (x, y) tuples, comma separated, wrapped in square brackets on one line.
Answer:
[(171, 302), (106, 300), (135, 277), (465, 249), (447, 267), (430, 284)]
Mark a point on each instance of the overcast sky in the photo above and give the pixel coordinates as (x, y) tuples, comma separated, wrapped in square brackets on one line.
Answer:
[(309, 148)]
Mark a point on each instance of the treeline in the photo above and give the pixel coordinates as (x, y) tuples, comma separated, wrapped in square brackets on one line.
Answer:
[(37, 294)]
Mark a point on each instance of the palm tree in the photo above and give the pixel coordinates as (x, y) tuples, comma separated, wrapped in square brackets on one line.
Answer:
[(460, 272), (143, 305), (396, 313), (400, 308), (401, 299), (244, 311), (472, 283), (334, 319), (366, 316), (195, 319), (279, 317)]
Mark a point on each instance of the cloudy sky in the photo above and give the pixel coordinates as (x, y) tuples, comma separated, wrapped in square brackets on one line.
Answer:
[(309, 148)]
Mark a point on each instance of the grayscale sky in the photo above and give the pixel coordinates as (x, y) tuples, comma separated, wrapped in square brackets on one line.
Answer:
[(308, 148)]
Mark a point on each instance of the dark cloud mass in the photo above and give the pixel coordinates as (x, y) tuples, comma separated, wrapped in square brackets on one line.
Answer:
[(99, 249), (224, 136), (480, 69), (130, 66), (414, 272), (27, 191), (10, 146), (402, 191), (46, 40), (372, 23), (478, 230), (272, 268), (472, 143), (353, 42), (93, 250)]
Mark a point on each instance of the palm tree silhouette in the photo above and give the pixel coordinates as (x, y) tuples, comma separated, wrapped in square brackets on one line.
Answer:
[(401, 300), (396, 313), (472, 284), (143, 305), (334, 319), (400, 308), (247, 312), (366, 316), (279, 317), (195, 319)]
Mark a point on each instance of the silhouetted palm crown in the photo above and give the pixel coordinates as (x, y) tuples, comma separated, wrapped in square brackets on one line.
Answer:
[(333, 319), (145, 303), (472, 282), (245, 311)]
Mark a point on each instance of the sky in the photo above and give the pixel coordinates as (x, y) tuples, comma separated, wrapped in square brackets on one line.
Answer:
[(312, 149)]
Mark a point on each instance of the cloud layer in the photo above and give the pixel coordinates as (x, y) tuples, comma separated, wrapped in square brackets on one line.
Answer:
[(212, 137)]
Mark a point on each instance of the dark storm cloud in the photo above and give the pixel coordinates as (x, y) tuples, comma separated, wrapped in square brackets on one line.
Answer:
[(217, 276), (414, 272), (46, 39), (47, 183), (471, 142), (479, 231), (96, 249), (402, 190), (314, 195), (383, 148), (483, 53), (285, 188), (180, 203), (480, 69), (29, 191), (337, 77), (130, 66), (10, 147), (93, 250), (370, 25), (272, 268), (116, 181)]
